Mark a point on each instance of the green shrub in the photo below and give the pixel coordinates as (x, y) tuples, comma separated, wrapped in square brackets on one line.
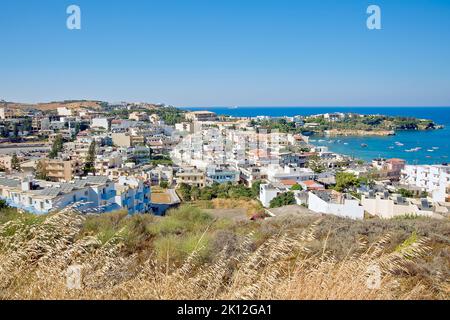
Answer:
[(182, 220), (283, 199)]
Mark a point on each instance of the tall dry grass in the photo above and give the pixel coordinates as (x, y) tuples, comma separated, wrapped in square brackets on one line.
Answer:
[(34, 259)]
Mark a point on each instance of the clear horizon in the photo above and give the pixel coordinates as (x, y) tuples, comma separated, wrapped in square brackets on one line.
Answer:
[(234, 53)]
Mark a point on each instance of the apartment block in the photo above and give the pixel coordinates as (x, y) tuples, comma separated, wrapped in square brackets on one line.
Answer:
[(191, 176), (127, 140), (133, 195), (434, 179), (59, 170), (201, 116), (92, 194)]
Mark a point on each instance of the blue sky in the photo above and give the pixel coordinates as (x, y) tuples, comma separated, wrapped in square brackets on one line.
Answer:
[(227, 52)]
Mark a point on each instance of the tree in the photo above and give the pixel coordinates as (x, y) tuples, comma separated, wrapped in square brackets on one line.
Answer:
[(296, 187), (256, 186), (164, 184), (15, 163), (41, 171), (196, 193), (345, 181), (315, 164), (405, 193), (284, 199), (15, 131), (89, 165), (57, 147), (185, 191), (3, 204)]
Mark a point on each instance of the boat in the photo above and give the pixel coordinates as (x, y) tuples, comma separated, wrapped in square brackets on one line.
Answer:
[(346, 143), (363, 145), (391, 147), (413, 149), (399, 144), (430, 150), (435, 148)]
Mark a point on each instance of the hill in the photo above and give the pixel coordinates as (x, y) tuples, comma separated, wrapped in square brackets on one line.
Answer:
[(191, 255), (53, 106)]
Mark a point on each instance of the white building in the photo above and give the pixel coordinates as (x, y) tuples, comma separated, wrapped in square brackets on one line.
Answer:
[(332, 202), (65, 112), (185, 127), (386, 206), (434, 179), (277, 173), (133, 195), (267, 192), (40, 197), (100, 123)]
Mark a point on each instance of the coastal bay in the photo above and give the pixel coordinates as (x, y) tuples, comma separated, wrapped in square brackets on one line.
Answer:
[(415, 146)]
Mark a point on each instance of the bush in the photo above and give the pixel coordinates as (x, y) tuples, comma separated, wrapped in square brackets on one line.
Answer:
[(3, 204), (405, 193), (283, 199), (164, 184), (182, 220), (296, 187)]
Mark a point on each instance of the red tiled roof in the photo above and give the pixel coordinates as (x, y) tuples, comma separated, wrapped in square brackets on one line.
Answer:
[(288, 182)]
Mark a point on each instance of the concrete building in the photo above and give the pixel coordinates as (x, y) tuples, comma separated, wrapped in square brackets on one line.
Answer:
[(191, 176), (434, 179), (201, 116), (127, 139), (389, 206), (139, 116), (336, 203), (93, 194), (102, 123), (269, 191), (389, 169), (221, 174), (187, 127), (252, 173), (65, 112), (104, 162), (290, 158), (277, 173), (161, 174), (59, 170), (133, 195)]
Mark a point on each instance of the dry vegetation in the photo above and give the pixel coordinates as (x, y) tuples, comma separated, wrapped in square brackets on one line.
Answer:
[(190, 255), (251, 206)]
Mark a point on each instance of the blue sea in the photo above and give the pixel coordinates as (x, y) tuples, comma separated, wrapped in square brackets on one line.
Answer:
[(435, 145)]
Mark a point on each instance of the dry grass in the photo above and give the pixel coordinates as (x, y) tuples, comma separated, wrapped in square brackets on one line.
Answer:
[(34, 258), (251, 206)]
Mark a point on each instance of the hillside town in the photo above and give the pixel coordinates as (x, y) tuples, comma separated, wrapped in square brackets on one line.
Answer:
[(145, 159)]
